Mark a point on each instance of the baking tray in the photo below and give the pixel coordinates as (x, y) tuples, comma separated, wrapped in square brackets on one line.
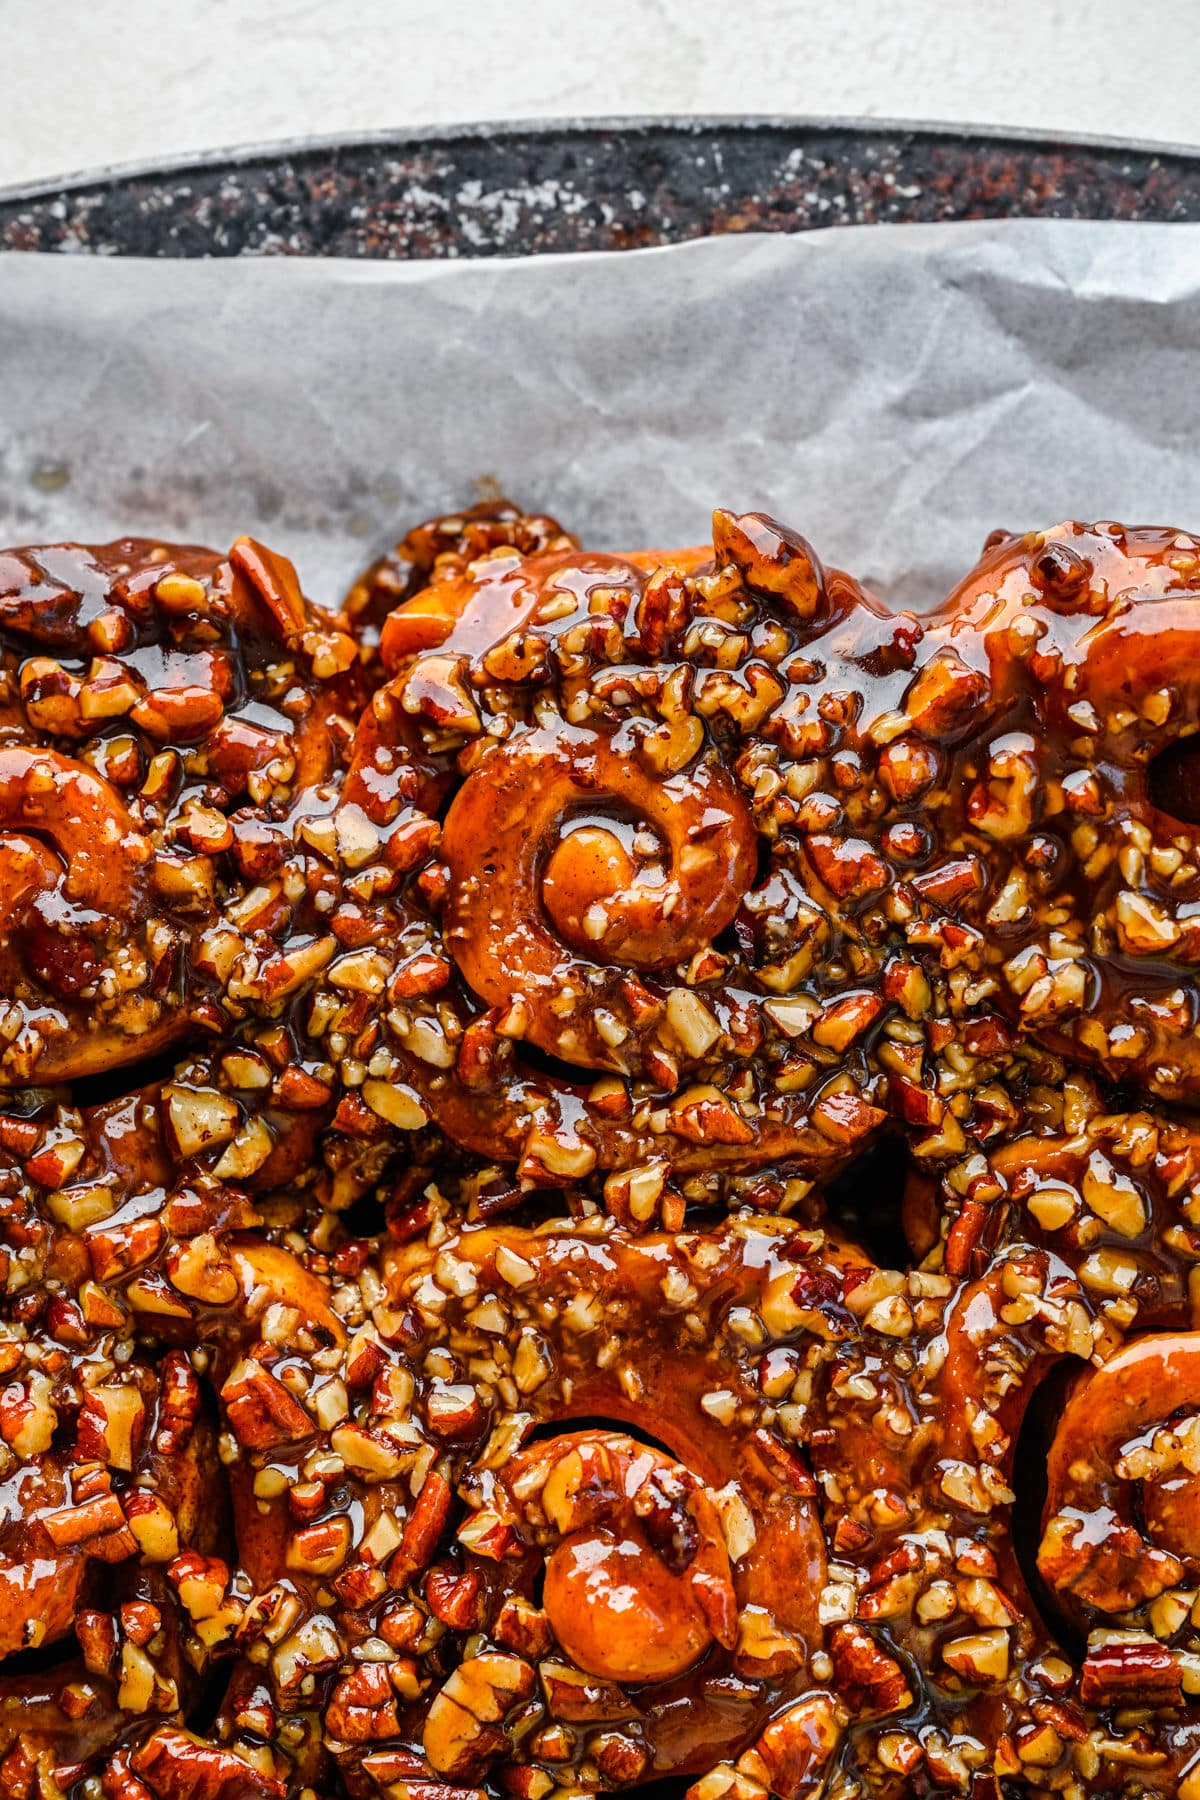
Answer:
[(527, 189)]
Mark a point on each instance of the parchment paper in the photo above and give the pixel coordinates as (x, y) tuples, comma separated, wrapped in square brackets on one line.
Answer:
[(895, 392)]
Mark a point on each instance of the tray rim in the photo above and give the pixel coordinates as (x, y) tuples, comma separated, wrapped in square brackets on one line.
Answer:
[(384, 138)]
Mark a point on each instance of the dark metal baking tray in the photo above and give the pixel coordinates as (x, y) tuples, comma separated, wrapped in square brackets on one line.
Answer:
[(527, 189)]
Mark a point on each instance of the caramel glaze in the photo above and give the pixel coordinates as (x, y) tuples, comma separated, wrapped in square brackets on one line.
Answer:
[(453, 1351), (959, 867), (443, 546), (166, 713)]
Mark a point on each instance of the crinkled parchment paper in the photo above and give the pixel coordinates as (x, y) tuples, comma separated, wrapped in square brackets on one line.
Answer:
[(894, 392)]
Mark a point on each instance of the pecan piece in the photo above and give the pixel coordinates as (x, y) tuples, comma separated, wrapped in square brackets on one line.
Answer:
[(262, 1414), (464, 1728)]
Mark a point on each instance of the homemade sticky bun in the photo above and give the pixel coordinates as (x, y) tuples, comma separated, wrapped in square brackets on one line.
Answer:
[(599, 1172)]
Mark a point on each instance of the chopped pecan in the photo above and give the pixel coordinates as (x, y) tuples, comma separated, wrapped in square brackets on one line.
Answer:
[(362, 1706), (866, 1677), (177, 1766), (792, 1754), (180, 1403), (422, 1529), (464, 1728), (579, 1698), (262, 1414), (1129, 1669), (455, 1596)]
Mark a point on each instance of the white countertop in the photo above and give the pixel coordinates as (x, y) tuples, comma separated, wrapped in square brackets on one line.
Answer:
[(91, 82)]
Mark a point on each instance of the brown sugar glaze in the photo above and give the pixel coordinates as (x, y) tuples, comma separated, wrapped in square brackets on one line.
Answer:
[(431, 1362)]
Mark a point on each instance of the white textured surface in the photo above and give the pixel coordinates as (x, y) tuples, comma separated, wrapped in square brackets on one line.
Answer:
[(911, 388), (89, 82)]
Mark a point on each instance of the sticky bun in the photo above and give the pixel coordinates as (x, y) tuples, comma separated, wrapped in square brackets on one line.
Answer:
[(599, 1175)]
